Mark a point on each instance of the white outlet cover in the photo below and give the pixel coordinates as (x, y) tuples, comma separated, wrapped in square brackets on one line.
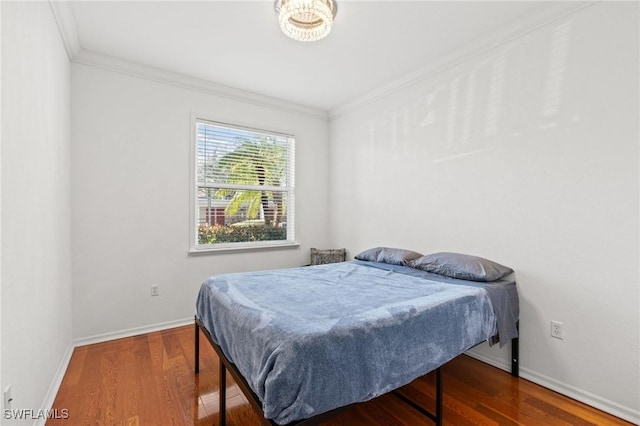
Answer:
[(557, 330), (7, 398)]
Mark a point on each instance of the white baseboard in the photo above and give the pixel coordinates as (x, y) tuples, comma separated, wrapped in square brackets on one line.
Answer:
[(613, 408), (99, 338), (494, 361), (52, 392)]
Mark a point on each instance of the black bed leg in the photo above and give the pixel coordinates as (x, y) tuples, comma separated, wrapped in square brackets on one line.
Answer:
[(223, 395), (197, 348), (435, 415), (438, 419), (515, 354)]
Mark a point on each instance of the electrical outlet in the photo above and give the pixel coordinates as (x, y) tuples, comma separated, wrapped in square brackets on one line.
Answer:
[(557, 330), (155, 290), (7, 398)]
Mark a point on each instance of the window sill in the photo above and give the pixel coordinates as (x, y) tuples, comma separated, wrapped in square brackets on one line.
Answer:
[(231, 249)]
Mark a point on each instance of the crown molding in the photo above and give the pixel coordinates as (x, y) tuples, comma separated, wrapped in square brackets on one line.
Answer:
[(134, 69), (518, 28), (66, 22)]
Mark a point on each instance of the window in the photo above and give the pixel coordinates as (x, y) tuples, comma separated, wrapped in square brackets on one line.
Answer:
[(244, 187)]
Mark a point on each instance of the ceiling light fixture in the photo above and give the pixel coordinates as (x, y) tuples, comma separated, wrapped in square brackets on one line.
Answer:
[(306, 20)]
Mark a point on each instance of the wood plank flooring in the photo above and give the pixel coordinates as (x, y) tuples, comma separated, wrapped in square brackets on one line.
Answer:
[(149, 380)]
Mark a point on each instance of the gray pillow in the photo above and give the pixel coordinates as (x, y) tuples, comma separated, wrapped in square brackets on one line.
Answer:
[(394, 256), (461, 266)]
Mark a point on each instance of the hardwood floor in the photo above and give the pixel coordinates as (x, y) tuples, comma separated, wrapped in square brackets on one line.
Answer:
[(149, 380)]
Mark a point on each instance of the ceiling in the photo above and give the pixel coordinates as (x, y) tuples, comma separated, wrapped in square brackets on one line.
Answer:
[(239, 43)]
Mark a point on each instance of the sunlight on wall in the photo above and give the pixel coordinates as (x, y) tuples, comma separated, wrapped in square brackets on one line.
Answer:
[(556, 73), (463, 111)]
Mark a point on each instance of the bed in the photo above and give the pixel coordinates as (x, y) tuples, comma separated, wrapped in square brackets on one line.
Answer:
[(303, 343)]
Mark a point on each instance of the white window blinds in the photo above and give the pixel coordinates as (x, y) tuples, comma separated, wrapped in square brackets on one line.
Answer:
[(244, 183)]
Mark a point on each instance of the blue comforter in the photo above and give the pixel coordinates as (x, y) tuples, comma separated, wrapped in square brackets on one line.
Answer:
[(308, 340)]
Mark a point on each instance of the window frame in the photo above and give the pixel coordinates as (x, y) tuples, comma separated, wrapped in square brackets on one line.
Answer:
[(194, 246)]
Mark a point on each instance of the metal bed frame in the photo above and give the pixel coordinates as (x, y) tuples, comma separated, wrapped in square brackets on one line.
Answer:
[(225, 365)]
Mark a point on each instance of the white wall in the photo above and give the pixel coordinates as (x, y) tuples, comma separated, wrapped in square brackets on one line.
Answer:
[(527, 154), (130, 202), (36, 265)]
